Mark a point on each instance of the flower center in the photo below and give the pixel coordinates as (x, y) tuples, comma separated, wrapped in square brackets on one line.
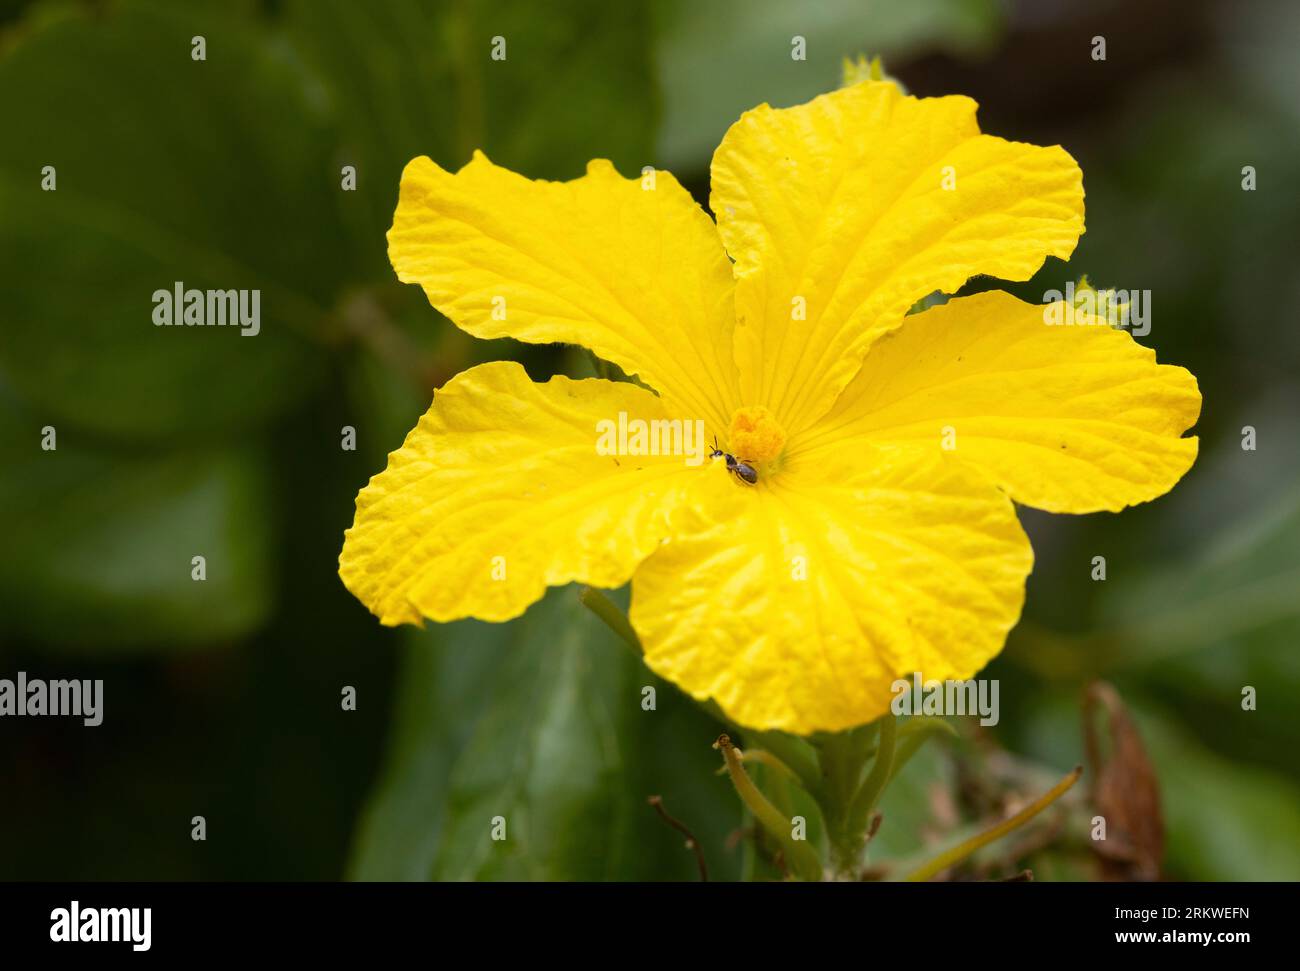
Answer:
[(755, 435)]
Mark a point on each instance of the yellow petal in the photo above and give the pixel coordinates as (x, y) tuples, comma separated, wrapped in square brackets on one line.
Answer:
[(825, 584), (842, 213), (631, 268), (1067, 418), (500, 491)]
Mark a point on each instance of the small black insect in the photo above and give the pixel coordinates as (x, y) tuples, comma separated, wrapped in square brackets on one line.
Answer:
[(743, 470)]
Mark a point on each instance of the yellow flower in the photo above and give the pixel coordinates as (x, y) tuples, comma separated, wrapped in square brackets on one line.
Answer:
[(880, 538)]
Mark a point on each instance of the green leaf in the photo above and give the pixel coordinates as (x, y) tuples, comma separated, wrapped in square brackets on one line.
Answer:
[(719, 59), (1225, 820), (907, 806), (214, 173), (98, 546), (540, 721)]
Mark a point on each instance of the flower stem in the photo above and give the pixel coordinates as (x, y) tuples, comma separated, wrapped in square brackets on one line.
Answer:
[(964, 849), (915, 733), (802, 859), (842, 757), (882, 770), (608, 611), (760, 756), (794, 752)]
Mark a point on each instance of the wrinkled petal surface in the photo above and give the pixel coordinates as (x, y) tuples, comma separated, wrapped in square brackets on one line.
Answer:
[(499, 492), (1068, 418), (843, 212), (799, 608), (635, 273)]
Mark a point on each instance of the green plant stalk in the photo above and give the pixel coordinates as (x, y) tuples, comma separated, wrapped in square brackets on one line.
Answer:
[(801, 858), (608, 611), (882, 770), (776, 783), (794, 753), (912, 736), (961, 851), (780, 770), (842, 757)]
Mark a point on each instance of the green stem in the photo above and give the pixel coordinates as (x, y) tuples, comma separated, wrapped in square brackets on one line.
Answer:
[(795, 753), (760, 756), (882, 770), (803, 861), (842, 757), (912, 736), (964, 849), (608, 611)]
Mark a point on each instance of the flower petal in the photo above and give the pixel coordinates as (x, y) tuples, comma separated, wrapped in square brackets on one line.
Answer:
[(636, 274), (1067, 418), (500, 491), (827, 583), (843, 212)]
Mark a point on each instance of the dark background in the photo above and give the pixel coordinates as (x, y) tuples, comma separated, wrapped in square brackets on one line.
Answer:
[(223, 697)]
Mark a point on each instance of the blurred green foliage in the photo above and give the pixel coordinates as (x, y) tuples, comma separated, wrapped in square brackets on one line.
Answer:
[(223, 696), (718, 59), (541, 722), (167, 170)]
